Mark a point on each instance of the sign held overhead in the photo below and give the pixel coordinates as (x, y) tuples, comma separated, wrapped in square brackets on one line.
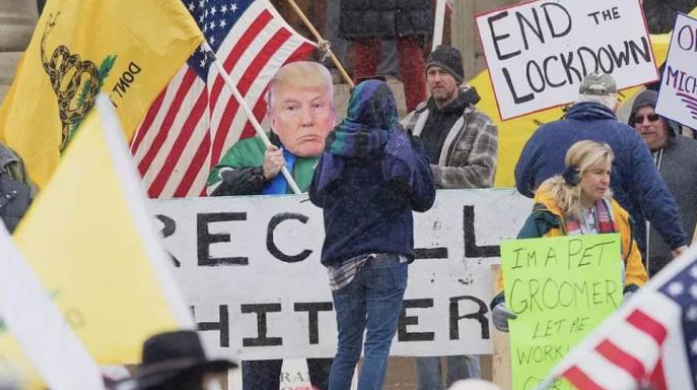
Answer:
[(677, 98), (538, 52)]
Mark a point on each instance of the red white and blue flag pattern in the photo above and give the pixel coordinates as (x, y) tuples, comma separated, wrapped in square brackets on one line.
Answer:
[(650, 343), (196, 118)]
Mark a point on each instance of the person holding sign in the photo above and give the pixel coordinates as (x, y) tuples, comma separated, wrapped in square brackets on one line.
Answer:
[(369, 179), (636, 183), (579, 201), (676, 160), (301, 112)]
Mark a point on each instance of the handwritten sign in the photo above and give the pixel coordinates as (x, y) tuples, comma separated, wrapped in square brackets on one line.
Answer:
[(561, 289), (677, 98), (538, 52), (250, 269)]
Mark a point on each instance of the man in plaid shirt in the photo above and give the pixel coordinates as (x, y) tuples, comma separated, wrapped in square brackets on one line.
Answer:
[(461, 140), (462, 144)]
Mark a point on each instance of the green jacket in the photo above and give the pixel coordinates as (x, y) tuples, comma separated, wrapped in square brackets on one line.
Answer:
[(240, 171)]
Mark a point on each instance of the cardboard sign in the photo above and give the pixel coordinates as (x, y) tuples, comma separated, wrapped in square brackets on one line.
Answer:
[(561, 288), (538, 52), (250, 268), (677, 98)]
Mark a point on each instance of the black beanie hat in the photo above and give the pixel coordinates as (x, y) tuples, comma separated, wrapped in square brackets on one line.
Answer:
[(448, 58)]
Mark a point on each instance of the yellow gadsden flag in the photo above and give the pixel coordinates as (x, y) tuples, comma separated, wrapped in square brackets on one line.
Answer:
[(93, 245), (128, 49)]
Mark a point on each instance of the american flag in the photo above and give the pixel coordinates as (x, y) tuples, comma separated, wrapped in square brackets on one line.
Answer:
[(196, 118), (650, 343)]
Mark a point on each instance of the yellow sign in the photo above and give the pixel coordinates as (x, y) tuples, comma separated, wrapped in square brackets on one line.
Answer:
[(90, 240)]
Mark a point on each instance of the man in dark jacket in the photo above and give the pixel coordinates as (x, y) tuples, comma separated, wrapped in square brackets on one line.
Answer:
[(675, 157), (462, 144), (636, 183)]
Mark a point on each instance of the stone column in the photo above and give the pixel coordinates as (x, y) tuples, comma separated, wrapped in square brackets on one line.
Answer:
[(464, 31), (17, 21)]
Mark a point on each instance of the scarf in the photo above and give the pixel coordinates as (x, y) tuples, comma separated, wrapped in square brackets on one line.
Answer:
[(370, 130), (603, 216)]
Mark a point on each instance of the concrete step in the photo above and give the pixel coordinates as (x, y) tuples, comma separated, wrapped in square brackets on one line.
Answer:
[(8, 66)]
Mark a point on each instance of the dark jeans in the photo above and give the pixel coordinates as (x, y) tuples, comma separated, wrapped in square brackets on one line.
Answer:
[(372, 303), (266, 374)]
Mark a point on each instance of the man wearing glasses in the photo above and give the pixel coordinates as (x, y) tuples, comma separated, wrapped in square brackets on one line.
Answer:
[(675, 158)]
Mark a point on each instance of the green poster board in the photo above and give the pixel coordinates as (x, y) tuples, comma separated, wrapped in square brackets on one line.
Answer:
[(561, 288)]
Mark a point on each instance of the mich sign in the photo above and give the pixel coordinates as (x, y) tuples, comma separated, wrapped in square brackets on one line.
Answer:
[(677, 99), (538, 52)]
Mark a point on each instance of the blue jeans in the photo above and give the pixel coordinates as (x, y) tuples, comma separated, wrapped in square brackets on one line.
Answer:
[(428, 371), (371, 302)]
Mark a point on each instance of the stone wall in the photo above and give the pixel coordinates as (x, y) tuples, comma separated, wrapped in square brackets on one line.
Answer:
[(17, 21)]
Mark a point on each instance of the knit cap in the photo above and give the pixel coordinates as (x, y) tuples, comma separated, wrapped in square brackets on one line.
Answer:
[(449, 59)]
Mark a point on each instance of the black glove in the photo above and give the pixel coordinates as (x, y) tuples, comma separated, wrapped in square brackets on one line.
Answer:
[(242, 181)]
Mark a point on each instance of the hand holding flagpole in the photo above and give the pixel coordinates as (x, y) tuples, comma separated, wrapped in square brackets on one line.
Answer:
[(323, 44), (248, 111)]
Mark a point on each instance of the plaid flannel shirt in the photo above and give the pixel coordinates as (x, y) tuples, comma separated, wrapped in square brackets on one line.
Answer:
[(468, 157)]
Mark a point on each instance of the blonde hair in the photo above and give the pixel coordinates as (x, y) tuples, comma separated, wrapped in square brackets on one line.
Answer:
[(301, 74), (582, 154)]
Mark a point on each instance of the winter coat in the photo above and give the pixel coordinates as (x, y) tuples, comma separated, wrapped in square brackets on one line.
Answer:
[(468, 156), (677, 163), (369, 179), (635, 181), (384, 19), (546, 220), (15, 192), (240, 171)]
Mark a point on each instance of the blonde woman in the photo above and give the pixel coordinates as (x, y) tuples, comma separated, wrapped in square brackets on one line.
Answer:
[(579, 201)]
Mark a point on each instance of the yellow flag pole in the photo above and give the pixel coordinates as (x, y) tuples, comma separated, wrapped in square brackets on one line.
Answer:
[(323, 45)]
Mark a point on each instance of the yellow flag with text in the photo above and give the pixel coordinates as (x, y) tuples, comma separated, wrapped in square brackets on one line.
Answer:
[(92, 243), (129, 49)]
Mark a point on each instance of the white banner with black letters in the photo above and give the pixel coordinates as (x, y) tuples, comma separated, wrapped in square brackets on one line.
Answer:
[(250, 268), (538, 52)]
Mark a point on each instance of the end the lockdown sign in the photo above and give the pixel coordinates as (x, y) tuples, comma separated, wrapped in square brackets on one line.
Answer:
[(560, 288), (677, 98), (538, 52)]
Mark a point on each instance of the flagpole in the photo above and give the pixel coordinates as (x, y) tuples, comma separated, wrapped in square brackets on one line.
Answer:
[(323, 45), (439, 24), (248, 111)]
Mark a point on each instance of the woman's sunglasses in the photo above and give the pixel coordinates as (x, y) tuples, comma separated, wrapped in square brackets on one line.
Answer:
[(650, 117)]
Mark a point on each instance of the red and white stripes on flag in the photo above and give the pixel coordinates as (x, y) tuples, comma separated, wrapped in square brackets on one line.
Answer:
[(650, 343), (196, 119)]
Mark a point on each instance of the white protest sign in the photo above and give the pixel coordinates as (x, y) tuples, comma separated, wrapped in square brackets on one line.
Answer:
[(250, 268), (39, 327), (677, 98), (538, 52)]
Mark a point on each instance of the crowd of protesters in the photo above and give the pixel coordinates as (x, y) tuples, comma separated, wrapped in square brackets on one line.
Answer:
[(588, 173)]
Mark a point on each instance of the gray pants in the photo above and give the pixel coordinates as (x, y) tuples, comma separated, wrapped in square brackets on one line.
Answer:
[(429, 372)]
